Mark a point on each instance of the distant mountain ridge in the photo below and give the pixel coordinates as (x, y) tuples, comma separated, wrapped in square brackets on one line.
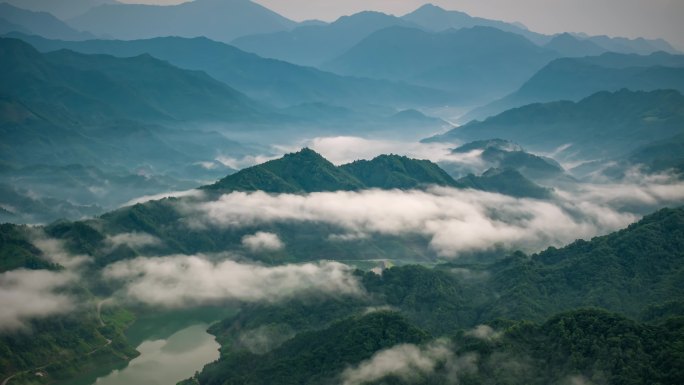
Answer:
[(434, 18), (39, 23), (95, 87), (477, 62), (268, 80), (216, 19), (577, 78), (603, 125), (315, 45)]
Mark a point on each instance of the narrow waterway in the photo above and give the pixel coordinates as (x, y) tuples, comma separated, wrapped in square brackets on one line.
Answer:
[(167, 361)]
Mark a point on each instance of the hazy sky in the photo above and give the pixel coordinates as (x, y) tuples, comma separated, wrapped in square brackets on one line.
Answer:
[(630, 18)]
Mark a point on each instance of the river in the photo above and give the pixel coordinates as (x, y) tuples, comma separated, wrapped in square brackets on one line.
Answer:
[(172, 345)]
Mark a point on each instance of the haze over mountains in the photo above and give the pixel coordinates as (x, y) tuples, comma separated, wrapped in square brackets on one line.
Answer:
[(210, 193)]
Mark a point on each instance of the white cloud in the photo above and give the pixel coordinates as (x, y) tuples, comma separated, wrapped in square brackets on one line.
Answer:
[(171, 194), (28, 294), (456, 221), (245, 161), (181, 280), (53, 249), (262, 241), (133, 240), (345, 149), (484, 332), (409, 362)]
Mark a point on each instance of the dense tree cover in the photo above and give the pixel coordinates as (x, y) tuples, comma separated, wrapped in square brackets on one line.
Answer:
[(587, 346), (310, 357), (393, 171), (308, 171), (303, 171), (17, 251), (626, 272)]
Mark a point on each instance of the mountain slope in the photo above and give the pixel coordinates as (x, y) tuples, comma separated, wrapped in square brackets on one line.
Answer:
[(434, 18), (266, 80), (307, 171), (478, 62), (216, 19), (63, 9), (576, 78), (393, 171), (40, 23), (92, 88), (304, 171), (604, 125), (570, 46), (314, 45)]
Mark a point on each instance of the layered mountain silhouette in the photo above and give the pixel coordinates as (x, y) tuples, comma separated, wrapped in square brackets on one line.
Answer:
[(65, 85), (577, 78), (503, 154), (314, 45), (472, 62), (221, 20), (506, 181), (13, 19), (604, 125), (434, 18), (268, 80), (63, 9), (572, 46)]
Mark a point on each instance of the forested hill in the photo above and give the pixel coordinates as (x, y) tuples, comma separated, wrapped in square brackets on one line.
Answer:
[(542, 311), (308, 171)]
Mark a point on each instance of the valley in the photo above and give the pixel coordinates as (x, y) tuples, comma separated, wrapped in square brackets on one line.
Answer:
[(215, 193)]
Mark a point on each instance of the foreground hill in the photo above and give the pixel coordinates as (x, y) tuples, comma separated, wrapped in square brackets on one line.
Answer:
[(307, 171), (529, 304), (604, 125)]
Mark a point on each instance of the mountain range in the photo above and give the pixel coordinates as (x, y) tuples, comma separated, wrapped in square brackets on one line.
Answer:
[(603, 125), (577, 78), (37, 23), (215, 19), (471, 62), (272, 81)]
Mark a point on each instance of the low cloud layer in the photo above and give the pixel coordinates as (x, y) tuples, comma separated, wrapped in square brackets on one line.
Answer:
[(484, 332), (409, 362), (172, 194), (262, 241), (134, 240), (53, 250), (181, 280), (456, 221), (28, 294)]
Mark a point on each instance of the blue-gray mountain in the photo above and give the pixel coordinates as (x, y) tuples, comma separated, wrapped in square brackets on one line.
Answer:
[(216, 19), (604, 125), (577, 78), (37, 23), (478, 63), (268, 80)]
